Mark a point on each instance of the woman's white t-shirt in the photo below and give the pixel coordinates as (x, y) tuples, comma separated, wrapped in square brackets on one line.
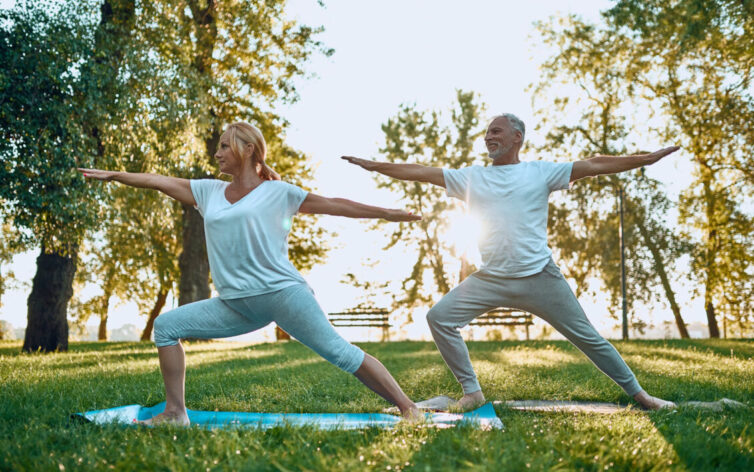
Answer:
[(511, 201), (247, 241)]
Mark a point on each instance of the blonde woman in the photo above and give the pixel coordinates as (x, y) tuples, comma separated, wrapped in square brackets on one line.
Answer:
[(246, 224)]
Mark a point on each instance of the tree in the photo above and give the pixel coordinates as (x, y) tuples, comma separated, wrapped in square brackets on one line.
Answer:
[(696, 60), (422, 138), (59, 80), (239, 60), (8, 248), (133, 257), (584, 227)]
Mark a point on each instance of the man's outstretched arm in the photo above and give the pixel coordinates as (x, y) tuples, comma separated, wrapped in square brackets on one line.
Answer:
[(601, 165), (412, 172)]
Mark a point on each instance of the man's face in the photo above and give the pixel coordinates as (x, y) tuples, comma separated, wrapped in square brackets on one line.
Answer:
[(500, 137)]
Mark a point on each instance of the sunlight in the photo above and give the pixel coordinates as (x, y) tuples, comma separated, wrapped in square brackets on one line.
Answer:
[(463, 234)]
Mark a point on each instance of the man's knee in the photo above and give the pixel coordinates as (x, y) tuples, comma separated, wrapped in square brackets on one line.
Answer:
[(588, 339), (437, 317)]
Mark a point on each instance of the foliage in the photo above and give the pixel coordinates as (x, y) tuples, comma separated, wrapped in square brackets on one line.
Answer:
[(423, 138), (8, 249), (699, 72), (46, 102), (290, 378), (239, 60), (584, 225), (172, 90)]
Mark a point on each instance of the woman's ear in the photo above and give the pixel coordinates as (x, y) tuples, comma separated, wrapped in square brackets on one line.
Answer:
[(249, 150)]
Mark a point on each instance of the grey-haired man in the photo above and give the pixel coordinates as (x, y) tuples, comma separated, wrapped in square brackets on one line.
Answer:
[(518, 272)]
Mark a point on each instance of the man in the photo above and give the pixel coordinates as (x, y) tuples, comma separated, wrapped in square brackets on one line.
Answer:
[(518, 272)]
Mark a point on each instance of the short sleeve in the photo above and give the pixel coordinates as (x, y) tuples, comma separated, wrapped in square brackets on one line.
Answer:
[(556, 174), (457, 182), (202, 189), (294, 196)]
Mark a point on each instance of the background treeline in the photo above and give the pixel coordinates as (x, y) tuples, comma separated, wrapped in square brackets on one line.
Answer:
[(147, 87), (676, 72), (139, 87)]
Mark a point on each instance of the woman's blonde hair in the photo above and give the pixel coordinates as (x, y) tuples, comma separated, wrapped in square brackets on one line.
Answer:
[(240, 135)]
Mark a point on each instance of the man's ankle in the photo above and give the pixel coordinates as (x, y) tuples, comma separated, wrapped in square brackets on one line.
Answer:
[(478, 395)]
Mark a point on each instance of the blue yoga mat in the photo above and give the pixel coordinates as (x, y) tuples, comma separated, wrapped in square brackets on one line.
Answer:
[(483, 417)]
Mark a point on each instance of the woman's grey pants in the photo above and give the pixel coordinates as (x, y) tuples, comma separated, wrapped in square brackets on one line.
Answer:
[(546, 295), (293, 308)]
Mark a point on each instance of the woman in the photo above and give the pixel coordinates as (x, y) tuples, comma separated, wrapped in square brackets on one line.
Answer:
[(246, 224)]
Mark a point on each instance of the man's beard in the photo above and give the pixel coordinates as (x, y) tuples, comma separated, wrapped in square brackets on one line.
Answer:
[(500, 151)]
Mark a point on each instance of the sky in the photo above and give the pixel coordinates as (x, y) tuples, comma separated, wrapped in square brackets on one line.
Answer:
[(390, 53)]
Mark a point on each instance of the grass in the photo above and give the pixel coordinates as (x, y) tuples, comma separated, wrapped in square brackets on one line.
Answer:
[(38, 392)]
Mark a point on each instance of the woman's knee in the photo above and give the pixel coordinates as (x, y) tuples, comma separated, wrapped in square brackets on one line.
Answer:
[(164, 331), (349, 358)]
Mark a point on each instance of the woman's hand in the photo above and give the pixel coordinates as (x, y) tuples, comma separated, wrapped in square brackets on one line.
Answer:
[(106, 175), (173, 187), (401, 215)]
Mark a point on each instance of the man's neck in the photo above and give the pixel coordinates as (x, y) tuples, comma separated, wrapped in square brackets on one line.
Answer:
[(506, 159)]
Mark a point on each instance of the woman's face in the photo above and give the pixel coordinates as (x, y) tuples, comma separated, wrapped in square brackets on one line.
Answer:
[(227, 161)]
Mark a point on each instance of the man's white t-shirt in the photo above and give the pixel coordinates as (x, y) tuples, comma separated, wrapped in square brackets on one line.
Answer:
[(511, 201), (247, 241)]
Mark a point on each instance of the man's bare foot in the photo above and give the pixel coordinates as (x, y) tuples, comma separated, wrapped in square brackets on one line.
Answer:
[(167, 419), (648, 402), (468, 402)]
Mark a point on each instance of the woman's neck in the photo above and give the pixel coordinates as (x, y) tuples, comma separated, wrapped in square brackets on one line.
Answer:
[(247, 178)]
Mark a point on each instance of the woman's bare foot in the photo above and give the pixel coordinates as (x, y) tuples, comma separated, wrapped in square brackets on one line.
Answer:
[(648, 402), (468, 402), (167, 419), (412, 414)]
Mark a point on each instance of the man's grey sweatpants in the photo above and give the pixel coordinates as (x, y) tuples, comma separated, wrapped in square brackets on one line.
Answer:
[(293, 308), (546, 295)]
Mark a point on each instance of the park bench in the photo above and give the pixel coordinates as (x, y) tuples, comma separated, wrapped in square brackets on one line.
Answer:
[(505, 317), (363, 318)]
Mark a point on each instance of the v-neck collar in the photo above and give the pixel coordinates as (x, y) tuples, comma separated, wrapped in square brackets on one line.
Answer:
[(254, 190)]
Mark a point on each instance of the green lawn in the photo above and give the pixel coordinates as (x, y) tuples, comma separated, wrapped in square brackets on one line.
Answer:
[(38, 392)]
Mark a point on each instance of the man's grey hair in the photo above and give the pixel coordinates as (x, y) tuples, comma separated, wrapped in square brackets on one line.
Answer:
[(515, 122)]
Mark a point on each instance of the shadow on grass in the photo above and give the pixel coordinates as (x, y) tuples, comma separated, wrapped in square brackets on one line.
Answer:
[(706, 440)]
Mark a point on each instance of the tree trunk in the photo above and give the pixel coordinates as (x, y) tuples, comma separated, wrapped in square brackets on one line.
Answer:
[(193, 262), (281, 335), (105, 306), (660, 268), (709, 308), (52, 288), (466, 269), (146, 335), (102, 334)]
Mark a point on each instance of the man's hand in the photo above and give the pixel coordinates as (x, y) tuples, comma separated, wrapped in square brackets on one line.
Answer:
[(657, 155), (363, 163), (601, 165)]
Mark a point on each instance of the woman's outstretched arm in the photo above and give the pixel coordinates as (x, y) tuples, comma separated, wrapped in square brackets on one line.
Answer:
[(174, 187), (342, 207)]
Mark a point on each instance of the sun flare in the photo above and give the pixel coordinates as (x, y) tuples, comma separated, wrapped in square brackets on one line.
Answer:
[(463, 234)]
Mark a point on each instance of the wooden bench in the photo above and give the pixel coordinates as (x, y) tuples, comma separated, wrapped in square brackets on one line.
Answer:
[(505, 317), (363, 318)]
